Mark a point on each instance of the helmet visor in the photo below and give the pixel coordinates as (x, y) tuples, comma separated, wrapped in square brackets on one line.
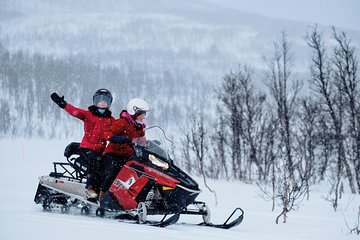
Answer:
[(140, 112), (103, 100)]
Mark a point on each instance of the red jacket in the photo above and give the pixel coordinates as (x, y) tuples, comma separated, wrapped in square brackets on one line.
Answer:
[(126, 127), (94, 126)]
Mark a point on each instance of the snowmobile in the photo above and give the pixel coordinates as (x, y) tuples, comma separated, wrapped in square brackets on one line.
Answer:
[(149, 184)]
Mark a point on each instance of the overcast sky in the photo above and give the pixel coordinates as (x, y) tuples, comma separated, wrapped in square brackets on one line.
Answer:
[(341, 13)]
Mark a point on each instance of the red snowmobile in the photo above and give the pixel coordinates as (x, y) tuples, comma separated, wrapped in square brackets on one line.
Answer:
[(149, 184)]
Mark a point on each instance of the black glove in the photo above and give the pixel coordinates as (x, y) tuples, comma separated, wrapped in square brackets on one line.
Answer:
[(58, 100), (120, 139)]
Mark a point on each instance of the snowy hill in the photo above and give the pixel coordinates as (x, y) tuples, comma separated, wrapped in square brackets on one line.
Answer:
[(194, 35), (197, 38), (20, 218)]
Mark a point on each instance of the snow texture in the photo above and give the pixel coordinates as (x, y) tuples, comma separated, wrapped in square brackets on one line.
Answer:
[(20, 218)]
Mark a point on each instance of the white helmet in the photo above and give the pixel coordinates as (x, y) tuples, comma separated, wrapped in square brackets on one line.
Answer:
[(137, 106)]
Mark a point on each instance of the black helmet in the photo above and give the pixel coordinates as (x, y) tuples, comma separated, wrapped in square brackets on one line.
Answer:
[(102, 95)]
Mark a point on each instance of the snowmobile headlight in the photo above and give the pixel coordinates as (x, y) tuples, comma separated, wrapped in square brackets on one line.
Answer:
[(156, 161)]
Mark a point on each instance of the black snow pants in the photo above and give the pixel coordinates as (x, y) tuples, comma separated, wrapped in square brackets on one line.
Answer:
[(112, 165), (95, 166)]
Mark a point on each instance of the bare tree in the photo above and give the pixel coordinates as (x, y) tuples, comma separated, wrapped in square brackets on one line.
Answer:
[(242, 108), (288, 185), (307, 140), (219, 147), (252, 131), (185, 150), (325, 148), (269, 150), (284, 194), (345, 73), (334, 80), (331, 103), (280, 66), (230, 98), (289, 196), (199, 144)]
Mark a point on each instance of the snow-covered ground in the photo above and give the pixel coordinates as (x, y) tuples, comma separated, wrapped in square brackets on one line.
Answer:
[(23, 161)]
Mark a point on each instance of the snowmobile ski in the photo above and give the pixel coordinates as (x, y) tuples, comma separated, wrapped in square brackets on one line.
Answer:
[(126, 218), (164, 223), (226, 224)]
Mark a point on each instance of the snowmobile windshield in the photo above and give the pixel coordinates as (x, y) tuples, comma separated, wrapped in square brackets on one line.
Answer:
[(153, 146), (156, 142)]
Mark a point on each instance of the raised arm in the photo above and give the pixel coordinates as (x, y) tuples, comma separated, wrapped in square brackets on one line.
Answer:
[(73, 111)]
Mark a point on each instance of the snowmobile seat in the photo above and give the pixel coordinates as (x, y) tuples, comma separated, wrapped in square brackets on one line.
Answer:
[(74, 168), (72, 154), (71, 149)]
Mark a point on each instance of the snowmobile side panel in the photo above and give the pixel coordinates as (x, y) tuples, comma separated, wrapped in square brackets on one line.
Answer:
[(64, 185), (161, 178), (152, 173), (70, 188), (127, 186)]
